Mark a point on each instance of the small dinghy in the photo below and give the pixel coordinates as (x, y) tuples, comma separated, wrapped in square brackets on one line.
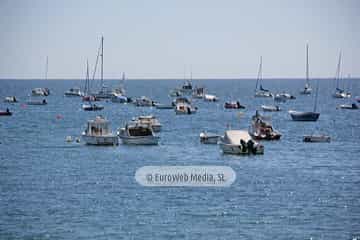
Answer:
[(239, 142), (74, 92), (209, 138), (286, 95), (210, 98), (304, 116), (184, 108), (270, 108), (163, 106), (37, 102), (10, 99), (316, 138), (92, 107), (40, 92), (233, 105), (5, 113), (352, 106), (144, 102), (279, 98)]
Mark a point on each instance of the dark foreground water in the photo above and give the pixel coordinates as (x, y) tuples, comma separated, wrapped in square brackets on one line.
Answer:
[(50, 189)]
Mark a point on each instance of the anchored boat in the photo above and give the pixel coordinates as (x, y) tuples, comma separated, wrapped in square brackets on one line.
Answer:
[(98, 132), (239, 142), (262, 130), (138, 134)]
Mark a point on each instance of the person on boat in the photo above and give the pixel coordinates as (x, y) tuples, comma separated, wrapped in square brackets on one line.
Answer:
[(7, 110), (44, 101)]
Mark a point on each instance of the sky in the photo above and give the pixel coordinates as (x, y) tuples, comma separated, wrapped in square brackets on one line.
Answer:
[(168, 39)]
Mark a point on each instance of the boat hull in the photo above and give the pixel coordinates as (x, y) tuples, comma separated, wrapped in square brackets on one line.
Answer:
[(101, 140), (141, 140), (209, 139), (304, 116), (313, 138), (238, 149)]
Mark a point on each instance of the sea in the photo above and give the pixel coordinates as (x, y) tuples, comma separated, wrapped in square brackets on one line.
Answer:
[(52, 189)]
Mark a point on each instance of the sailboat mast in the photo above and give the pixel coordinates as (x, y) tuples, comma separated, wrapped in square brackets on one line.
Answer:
[(87, 83), (102, 60), (259, 76), (316, 95), (46, 67), (338, 71), (307, 64)]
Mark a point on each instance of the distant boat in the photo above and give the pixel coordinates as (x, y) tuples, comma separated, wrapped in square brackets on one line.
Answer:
[(74, 92), (199, 92), (36, 102), (286, 95), (98, 132), (270, 108), (5, 113), (42, 91), (184, 108), (261, 129), (150, 121), (316, 138), (307, 116), (138, 134), (279, 98), (340, 93), (239, 142), (163, 106), (92, 107), (175, 93), (261, 92), (233, 105), (352, 106), (209, 138), (10, 99), (88, 96), (210, 98), (307, 89), (144, 102)]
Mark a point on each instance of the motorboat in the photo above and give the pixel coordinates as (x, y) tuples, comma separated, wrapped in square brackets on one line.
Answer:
[(352, 106), (199, 92), (339, 93), (304, 116), (92, 107), (270, 108), (279, 98), (150, 121), (74, 92), (90, 98), (286, 95), (181, 100), (138, 134), (233, 105), (209, 138), (98, 132), (184, 108), (316, 138), (36, 102), (163, 106), (262, 130), (186, 88), (210, 98), (239, 142), (307, 89), (261, 92), (119, 98), (5, 113), (10, 99), (40, 92), (104, 93), (175, 93), (144, 102)]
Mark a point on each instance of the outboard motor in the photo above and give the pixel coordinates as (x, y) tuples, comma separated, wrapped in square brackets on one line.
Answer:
[(251, 147), (244, 146)]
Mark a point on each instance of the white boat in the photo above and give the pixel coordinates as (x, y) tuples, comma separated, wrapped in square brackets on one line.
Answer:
[(286, 95), (98, 132), (144, 102), (119, 98), (209, 138), (163, 106), (36, 102), (211, 98), (74, 92), (239, 142), (233, 105), (175, 93), (10, 99), (352, 106), (92, 107), (279, 98), (138, 134), (184, 108), (316, 138), (340, 93), (40, 92), (198, 92), (270, 108), (307, 89), (150, 121), (261, 92)]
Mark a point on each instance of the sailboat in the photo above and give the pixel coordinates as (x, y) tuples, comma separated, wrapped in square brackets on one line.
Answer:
[(87, 90), (307, 89), (261, 92), (118, 94), (339, 93), (42, 91), (104, 92), (307, 116)]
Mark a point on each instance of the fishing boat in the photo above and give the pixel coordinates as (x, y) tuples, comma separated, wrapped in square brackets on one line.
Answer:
[(186, 88), (74, 92), (163, 106), (36, 102), (150, 121), (233, 105), (5, 113), (199, 92), (209, 138), (210, 98), (138, 134), (340, 93), (352, 106), (306, 116), (144, 102), (261, 92), (316, 138), (40, 92), (307, 88), (239, 142), (92, 107), (261, 129), (270, 108), (10, 99), (98, 132)]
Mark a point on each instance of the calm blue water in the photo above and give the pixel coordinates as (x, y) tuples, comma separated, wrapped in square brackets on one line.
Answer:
[(50, 189)]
